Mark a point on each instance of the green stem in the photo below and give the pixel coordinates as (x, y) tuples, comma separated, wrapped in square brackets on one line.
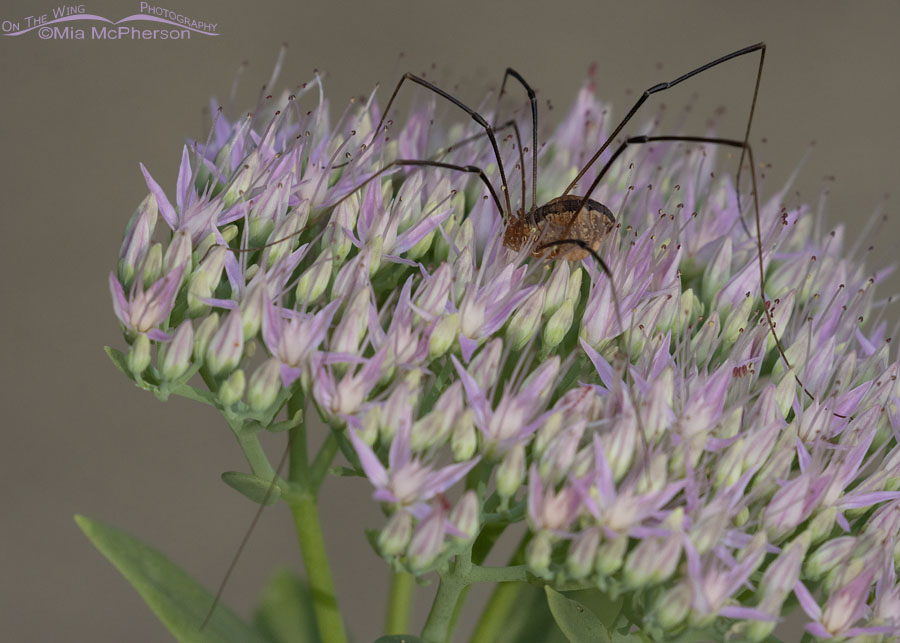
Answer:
[(323, 460), (501, 602), (400, 601), (308, 525), (318, 572), (495, 612), (438, 626), (256, 457)]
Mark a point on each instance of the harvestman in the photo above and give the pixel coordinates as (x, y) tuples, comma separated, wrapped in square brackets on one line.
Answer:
[(569, 226)]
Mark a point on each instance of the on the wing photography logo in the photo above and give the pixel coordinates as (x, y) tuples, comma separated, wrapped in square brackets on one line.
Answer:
[(73, 22)]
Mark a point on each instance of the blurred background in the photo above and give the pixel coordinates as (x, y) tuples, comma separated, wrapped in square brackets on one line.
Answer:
[(77, 117)]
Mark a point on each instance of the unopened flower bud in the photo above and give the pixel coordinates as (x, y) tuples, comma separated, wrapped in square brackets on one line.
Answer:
[(559, 324), (203, 336), (464, 439), (822, 524), (139, 354), (152, 268), (430, 431), (443, 335), (265, 383), (396, 534), (524, 322), (737, 322), (232, 389), (427, 541), (205, 279), (178, 253), (368, 432), (376, 251), (335, 239), (178, 353), (465, 515), (315, 279), (582, 552), (549, 430), (538, 553), (463, 271), (828, 556), (486, 365), (252, 307), (285, 236), (717, 272), (673, 606), (137, 239), (227, 346), (556, 288), (352, 328), (610, 555), (511, 472), (573, 289)]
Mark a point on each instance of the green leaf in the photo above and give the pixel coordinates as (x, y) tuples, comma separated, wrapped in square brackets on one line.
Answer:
[(577, 622), (399, 638), (285, 614), (177, 599), (253, 487), (119, 360)]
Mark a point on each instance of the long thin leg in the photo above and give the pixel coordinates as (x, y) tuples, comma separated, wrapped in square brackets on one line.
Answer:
[(760, 47), (478, 118), (748, 149), (534, 128)]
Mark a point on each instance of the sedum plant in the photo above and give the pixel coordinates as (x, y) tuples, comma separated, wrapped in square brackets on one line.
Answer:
[(667, 475)]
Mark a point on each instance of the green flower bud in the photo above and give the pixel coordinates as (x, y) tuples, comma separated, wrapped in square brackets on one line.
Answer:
[(227, 346), (511, 472), (139, 354), (265, 383), (152, 267), (717, 272), (610, 555), (573, 289), (465, 516), (395, 536), (582, 552), (177, 357), (556, 288), (828, 556), (443, 335), (286, 236), (430, 430), (205, 280), (690, 308), (418, 250), (730, 465), (464, 270), (204, 334), (703, 342), (538, 554), (464, 439), (376, 250), (314, 281), (368, 433), (233, 388), (559, 324), (738, 322), (820, 526), (673, 606), (335, 239), (178, 253), (549, 430), (524, 322), (252, 307)]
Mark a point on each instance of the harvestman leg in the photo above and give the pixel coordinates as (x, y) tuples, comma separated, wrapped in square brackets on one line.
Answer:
[(760, 47), (746, 148), (534, 129), (478, 118)]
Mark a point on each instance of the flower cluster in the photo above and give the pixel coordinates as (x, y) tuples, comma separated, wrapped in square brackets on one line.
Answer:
[(643, 425)]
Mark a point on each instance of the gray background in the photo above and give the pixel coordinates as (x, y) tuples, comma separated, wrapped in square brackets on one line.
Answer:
[(75, 119)]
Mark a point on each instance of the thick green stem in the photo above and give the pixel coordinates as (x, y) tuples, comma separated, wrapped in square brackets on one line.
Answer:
[(318, 572), (256, 457), (400, 601), (499, 605), (307, 523), (438, 626), (495, 612)]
